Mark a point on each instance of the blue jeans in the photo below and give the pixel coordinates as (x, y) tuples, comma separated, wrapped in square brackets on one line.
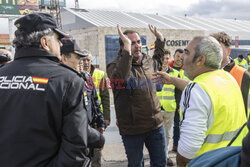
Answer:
[(176, 135), (155, 142)]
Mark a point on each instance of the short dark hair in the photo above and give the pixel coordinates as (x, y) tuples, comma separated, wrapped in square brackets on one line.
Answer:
[(223, 38), (241, 56), (125, 33), (178, 50), (67, 54), (166, 51)]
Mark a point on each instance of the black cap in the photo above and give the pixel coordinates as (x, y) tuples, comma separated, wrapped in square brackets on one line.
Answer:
[(38, 22), (70, 46), (4, 58)]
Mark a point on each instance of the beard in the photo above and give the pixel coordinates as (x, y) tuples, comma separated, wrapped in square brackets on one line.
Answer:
[(137, 57)]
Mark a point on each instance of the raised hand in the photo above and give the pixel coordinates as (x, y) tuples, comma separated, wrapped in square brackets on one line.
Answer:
[(156, 33), (125, 39)]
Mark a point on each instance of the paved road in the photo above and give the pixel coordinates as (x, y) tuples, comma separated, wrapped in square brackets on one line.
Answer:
[(113, 152)]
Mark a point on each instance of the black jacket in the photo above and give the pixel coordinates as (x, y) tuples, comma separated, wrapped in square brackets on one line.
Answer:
[(95, 138), (43, 121), (95, 116)]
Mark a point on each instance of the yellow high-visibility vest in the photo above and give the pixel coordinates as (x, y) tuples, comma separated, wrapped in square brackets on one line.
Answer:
[(167, 95), (182, 74), (97, 77), (243, 62), (228, 110)]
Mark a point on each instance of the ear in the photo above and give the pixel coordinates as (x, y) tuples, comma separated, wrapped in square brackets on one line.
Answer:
[(44, 43), (200, 60), (64, 59)]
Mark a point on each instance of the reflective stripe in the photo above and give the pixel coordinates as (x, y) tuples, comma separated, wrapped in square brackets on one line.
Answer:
[(169, 89), (166, 97), (97, 90), (215, 138)]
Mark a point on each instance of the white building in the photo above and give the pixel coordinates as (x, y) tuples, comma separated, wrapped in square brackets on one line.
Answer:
[(95, 30)]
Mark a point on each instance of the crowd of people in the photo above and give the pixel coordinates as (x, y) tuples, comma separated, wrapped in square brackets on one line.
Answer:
[(55, 104)]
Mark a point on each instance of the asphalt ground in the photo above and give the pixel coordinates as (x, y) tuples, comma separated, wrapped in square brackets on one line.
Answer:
[(113, 154)]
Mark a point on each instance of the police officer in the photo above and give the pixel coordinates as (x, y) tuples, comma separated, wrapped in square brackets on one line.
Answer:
[(71, 55), (95, 115), (5, 57), (100, 80), (43, 119), (168, 99)]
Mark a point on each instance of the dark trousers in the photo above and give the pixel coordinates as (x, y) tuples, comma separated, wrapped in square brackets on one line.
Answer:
[(176, 135), (155, 142)]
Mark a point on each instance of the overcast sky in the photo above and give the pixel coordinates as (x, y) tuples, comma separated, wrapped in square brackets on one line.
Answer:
[(239, 9)]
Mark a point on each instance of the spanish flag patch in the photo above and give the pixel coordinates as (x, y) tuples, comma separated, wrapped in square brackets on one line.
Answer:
[(40, 80)]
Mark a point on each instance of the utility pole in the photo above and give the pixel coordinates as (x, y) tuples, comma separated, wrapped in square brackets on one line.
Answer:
[(55, 11), (76, 4)]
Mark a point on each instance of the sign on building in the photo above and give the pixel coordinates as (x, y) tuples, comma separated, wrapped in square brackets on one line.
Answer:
[(18, 7), (62, 3), (177, 42)]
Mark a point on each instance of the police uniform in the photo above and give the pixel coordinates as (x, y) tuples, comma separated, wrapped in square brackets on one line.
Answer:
[(95, 138), (95, 117), (43, 119)]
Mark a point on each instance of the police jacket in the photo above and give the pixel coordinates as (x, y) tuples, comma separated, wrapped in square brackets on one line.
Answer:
[(95, 138), (95, 116), (43, 121)]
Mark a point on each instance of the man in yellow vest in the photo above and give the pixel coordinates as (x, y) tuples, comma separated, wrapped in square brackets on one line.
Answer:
[(212, 106), (99, 80), (241, 62), (240, 74), (168, 98), (177, 65)]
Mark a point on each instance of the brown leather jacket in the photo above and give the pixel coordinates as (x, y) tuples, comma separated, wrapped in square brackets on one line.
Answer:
[(137, 106)]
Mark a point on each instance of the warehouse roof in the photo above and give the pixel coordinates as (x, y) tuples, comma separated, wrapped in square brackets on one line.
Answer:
[(107, 18), (104, 18)]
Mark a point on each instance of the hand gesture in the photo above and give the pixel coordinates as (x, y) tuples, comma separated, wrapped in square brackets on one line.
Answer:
[(125, 39), (156, 33), (165, 77)]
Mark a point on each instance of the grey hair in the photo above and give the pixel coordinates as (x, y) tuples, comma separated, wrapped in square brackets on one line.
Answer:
[(211, 49), (24, 40)]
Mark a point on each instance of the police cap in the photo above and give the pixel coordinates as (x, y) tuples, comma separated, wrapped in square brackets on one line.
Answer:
[(38, 22), (70, 46)]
